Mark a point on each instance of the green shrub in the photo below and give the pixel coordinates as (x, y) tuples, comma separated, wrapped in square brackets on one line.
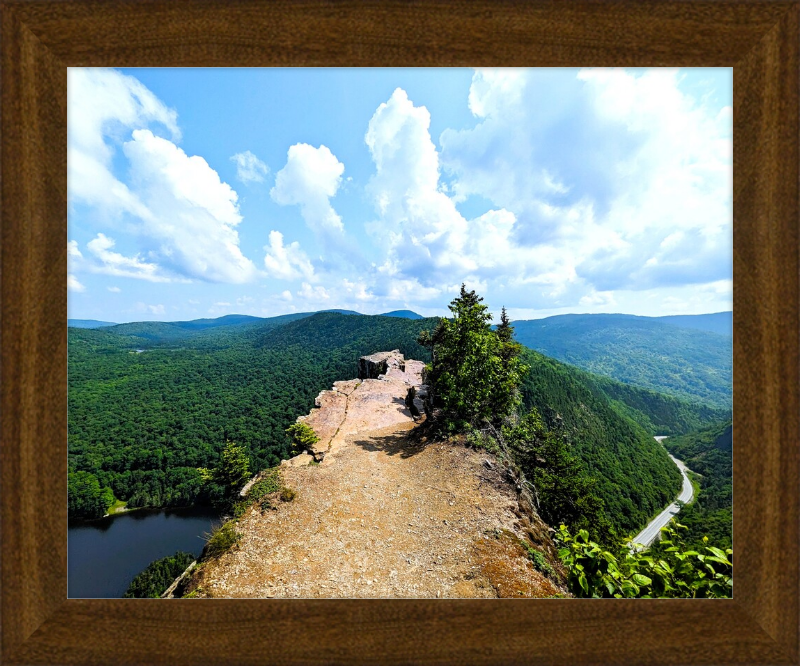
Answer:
[(540, 563), (672, 571), (288, 494), (303, 436), (478, 439), (270, 483), (222, 539)]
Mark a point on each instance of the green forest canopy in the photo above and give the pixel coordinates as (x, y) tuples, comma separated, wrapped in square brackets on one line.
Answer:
[(646, 352), (141, 423)]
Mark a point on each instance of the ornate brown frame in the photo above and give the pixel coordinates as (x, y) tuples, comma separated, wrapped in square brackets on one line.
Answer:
[(41, 38)]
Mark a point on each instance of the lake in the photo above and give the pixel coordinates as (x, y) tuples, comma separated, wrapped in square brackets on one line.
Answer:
[(105, 555)]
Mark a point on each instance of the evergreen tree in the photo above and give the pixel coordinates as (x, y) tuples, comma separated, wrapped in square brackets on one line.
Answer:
[(506, 394), (233, 470), (563, 491), (474, 373)]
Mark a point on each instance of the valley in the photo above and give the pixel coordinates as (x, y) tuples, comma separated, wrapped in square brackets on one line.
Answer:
[(142, 424)]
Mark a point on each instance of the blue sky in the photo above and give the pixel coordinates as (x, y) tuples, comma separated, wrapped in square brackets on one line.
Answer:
[(204, 192)]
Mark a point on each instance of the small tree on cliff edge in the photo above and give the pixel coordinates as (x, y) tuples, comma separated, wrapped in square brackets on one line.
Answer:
[(474, 372)]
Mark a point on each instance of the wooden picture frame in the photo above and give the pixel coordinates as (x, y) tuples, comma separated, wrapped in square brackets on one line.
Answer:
[(40, 39)]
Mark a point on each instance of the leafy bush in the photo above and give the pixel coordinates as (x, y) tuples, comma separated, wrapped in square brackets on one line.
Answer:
[(478, 439), (270, 483), (540, 563), (288, 494), (221, 539), (622, 572), (158, 576), (232, 472), (303, 436)]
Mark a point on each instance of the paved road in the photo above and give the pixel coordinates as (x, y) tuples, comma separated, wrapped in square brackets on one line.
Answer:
[(649, 533)]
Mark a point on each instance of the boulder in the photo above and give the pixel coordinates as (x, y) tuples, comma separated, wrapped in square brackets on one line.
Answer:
[(375, 365)]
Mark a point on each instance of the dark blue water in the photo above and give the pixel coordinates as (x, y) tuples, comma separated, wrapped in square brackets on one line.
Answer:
[(105, 555)]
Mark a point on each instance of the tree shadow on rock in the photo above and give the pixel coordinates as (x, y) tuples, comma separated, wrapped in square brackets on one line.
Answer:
[(392, 445)]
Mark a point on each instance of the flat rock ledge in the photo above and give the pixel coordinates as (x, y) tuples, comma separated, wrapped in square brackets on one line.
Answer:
[(376, 400)]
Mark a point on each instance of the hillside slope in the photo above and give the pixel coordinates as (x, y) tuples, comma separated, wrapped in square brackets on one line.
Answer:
[(691, 364), (385, 515), (142, 423), (708, 452), (636, 478)]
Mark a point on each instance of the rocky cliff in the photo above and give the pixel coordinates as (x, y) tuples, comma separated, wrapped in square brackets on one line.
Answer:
[(380, 511)]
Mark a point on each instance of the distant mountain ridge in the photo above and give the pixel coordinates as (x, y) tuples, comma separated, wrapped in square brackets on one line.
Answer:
[(88, 323), (404, 314), (717, 322), (166, 329), (664, 356)]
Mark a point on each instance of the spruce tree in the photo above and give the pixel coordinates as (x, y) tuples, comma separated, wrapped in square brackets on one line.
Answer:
[(474, 373)]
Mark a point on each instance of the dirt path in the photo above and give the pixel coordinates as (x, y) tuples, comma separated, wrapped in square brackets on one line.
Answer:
[(383, 515)]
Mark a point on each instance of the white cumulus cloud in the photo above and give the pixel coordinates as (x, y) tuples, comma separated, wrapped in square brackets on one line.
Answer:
[(183, 216), (286, 262), (105, 103), (310, 179), (195, 213), (114, 263), (616, 180), (73, 284), (249, 169)]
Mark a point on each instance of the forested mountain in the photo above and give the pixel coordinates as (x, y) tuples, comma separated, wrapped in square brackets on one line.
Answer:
[(142, 422), (709, 453), (635, 478), (717, 322), (405, 314), (643, 351), (227, 320), (169, 332), (88, 323), (658, 413)]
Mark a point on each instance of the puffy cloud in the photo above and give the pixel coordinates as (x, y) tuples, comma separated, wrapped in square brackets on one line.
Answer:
[(310, 179), (193, 232), (286, 262), (158, 309), (114, 263), (316, 294), (73, 252), (419, 217), (114, 290), (73, 284), (249, 169), (105, 103), (616, 180), (432, 246), (183, 215)]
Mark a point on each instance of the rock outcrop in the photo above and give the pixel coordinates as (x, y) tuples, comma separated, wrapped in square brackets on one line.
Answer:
[(370, 402), (375, 365), (386, 513)]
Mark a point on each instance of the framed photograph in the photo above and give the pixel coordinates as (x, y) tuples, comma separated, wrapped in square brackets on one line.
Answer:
[(465, 204)]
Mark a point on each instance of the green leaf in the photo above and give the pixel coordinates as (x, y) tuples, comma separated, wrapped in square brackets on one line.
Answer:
[(641, 579)]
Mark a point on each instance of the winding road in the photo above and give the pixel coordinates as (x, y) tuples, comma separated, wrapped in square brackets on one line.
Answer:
[(649, 533)]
